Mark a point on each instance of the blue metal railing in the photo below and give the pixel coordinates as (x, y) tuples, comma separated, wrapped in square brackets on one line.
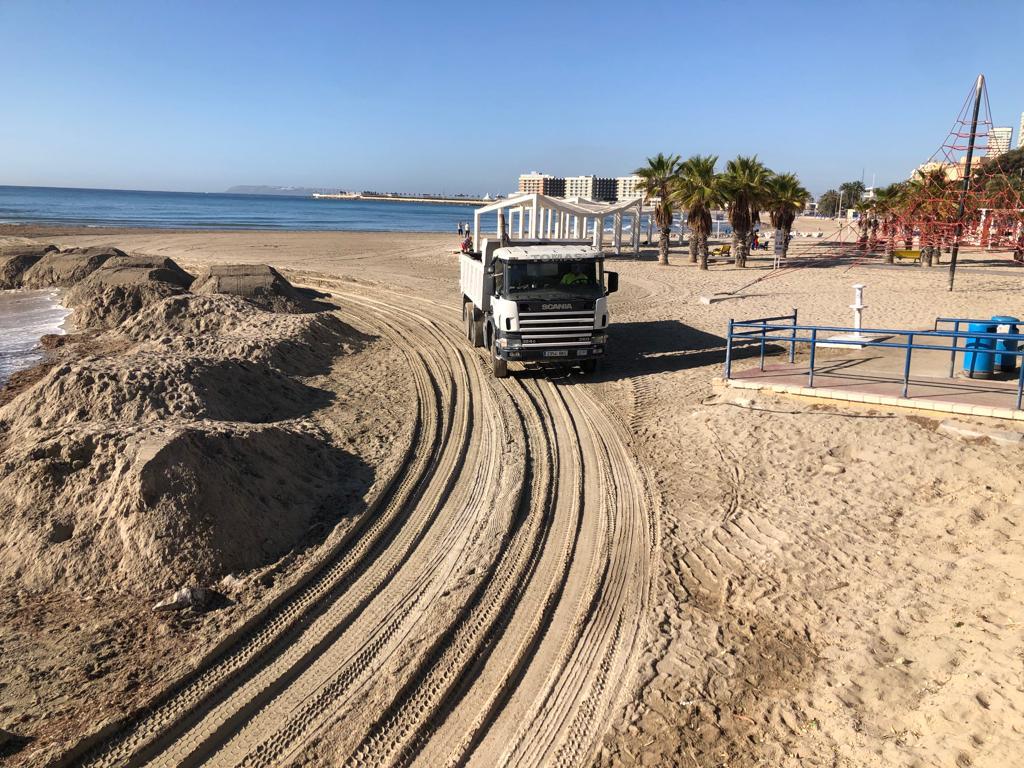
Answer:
[(765, 328)]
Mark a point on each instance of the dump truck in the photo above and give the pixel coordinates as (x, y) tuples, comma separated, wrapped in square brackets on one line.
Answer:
[(537, 302)]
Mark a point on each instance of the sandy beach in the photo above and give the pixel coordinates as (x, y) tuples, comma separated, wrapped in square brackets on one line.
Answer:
[(755, 580)]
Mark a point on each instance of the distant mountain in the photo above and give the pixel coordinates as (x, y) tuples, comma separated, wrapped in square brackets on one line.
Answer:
[(259, 189)]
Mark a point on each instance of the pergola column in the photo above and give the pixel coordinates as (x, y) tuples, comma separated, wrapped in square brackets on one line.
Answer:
[(618, 234), (636, 232)]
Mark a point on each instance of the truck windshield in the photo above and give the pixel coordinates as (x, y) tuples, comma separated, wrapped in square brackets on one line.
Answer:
[(546, 275)]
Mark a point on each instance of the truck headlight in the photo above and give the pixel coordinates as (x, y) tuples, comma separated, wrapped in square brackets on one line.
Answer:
[(504, 343), (599, 338)]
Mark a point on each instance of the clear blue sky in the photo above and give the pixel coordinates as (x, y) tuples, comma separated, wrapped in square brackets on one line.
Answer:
[(463, 96)]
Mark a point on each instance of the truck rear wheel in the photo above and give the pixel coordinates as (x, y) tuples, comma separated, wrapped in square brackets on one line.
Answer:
[(474, 326), (498, 366)]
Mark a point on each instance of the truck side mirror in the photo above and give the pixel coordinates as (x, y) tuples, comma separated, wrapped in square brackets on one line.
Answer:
[(613, 281)]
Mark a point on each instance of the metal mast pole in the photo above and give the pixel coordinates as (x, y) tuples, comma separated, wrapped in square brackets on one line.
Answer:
[(978, 87)]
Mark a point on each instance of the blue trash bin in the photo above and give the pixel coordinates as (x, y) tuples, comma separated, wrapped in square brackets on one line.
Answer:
[(978, 359), (1006, 324)]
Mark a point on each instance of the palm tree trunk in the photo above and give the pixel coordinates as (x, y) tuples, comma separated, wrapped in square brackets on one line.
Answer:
[(890, 245), (663, 246), (740, 247), (785, 240), (694, 245), (702, 246)]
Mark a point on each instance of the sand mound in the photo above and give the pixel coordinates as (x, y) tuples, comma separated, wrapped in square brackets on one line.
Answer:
[(122, 286), (259, 283), (144, 387), (16, 259), (63, 268), (229, 326), (158, 466), (154, 508)]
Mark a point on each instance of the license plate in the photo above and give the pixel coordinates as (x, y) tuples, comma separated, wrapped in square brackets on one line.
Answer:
[(556, 353)]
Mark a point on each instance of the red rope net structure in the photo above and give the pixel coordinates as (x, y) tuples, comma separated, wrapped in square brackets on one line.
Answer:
[(964, 196), (921, 217)]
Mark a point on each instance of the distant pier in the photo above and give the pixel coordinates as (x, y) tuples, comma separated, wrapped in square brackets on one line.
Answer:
[(404, 198)]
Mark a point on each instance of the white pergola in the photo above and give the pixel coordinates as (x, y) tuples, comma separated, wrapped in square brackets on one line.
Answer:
[(535, 217)]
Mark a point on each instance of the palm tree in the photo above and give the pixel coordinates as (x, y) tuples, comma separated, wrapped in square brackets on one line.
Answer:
[(929, 199), (697, 190), (656, 182), (786, 198), (745, 185), (865, 209), (886, 201)]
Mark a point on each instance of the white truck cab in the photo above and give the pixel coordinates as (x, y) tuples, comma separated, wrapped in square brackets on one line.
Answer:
[(537, 301)]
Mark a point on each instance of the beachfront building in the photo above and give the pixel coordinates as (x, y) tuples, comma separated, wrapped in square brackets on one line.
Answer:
[(628, 188), (532, 216), (999, 141), (1020, 133), (590, 187), (541, 184)]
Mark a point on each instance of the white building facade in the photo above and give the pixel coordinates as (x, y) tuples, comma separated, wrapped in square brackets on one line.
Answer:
[(999, 141), (627, 188)]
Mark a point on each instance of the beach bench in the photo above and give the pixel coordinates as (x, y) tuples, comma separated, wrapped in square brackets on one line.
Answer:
[(721, 250), (907, 254)]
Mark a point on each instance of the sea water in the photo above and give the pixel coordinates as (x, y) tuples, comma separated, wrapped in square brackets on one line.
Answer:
[(196, 210), (192, 210), (26, 316)]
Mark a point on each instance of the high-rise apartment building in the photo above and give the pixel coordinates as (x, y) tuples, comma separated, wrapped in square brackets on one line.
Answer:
[(592, 187), (999, 140), (542, 184), (628, 188), (1020, 133)]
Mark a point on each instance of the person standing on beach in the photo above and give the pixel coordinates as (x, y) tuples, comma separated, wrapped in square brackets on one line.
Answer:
[(460, 229)]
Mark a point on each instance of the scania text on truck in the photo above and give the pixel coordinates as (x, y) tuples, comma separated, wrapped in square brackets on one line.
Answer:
[(537, 302)]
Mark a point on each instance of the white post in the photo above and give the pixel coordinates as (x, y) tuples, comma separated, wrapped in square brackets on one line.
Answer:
[(476, 231), (618, 234), (636, 232), (534, 229), (522, 212), (858, 308)]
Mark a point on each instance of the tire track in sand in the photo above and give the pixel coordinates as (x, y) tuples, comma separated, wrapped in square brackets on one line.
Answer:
[(494, 607)]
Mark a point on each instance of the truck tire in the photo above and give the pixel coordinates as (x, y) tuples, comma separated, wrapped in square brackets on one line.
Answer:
[(498, 366), (474, 330), (476, 327)]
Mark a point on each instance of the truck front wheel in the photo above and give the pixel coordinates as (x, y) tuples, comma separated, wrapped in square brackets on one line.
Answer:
[(499, 366)]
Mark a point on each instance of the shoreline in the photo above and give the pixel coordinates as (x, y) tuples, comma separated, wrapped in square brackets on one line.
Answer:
[(42, 229), (29, 350)]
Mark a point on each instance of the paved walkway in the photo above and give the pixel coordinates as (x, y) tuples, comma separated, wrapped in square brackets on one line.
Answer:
[(875, 375)]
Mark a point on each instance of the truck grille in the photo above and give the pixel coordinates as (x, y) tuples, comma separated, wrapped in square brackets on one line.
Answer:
[(557, 328)]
